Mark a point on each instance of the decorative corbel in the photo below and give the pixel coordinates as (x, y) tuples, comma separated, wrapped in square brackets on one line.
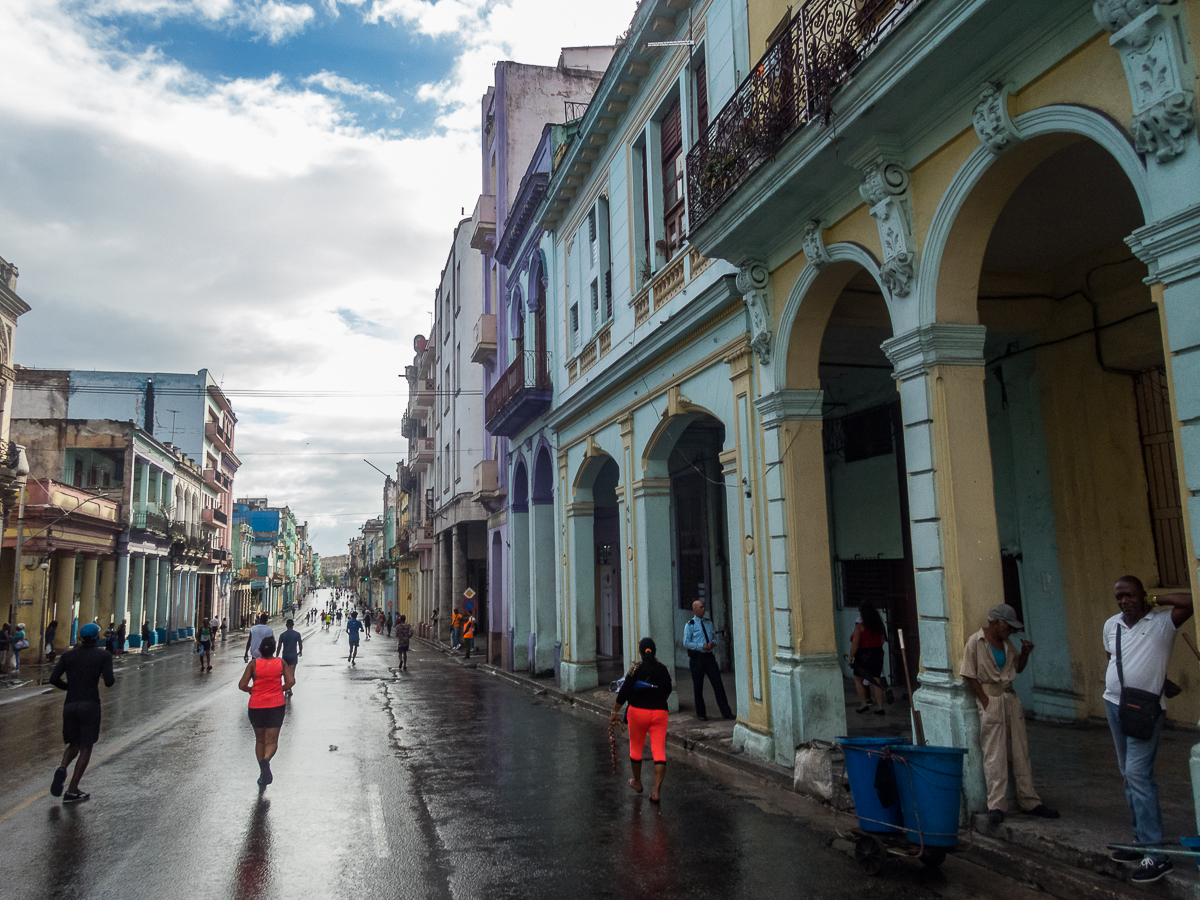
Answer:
[(993, 125), (1147, 36), (885, 189), (677, 403), (754, 284), (814, 245)]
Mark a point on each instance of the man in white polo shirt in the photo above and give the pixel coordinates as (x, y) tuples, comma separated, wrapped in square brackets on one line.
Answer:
[(1146, 636), (257, 633)]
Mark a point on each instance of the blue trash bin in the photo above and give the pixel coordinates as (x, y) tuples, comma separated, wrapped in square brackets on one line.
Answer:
[(929, 782), (862, 760)]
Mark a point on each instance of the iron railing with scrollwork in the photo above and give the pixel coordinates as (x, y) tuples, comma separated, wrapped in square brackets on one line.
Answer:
[(529, 370), (791, 85)]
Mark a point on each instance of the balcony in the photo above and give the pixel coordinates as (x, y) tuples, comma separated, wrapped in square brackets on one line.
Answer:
[(520, 395), (218, 480), (483, 349), (218, 554), (421, 450), (151, 520), (793, 84), (213, 518), (423, 396), (422, 537), (483, 222), (487, 488), (220, 436)]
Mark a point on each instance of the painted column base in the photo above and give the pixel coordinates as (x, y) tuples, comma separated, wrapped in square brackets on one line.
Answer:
[(807, 703), (135, 641), (951, 719), (1194, 768), (191, 632), (753, 743), (578, 676), (520, 653)]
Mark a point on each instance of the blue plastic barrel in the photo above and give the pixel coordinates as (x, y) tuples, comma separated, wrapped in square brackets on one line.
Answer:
[(862, 759), (929, 782)]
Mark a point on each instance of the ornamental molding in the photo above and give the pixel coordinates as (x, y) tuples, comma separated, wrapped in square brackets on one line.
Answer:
[(1147, 35), (790, 406), (754, 284), (814, 245), (993, 125), (940, 344), (1113, 15), (1170, 248), (885, 188)]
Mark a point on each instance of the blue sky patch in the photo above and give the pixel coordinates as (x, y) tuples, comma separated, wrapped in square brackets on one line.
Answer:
[(378, 56)]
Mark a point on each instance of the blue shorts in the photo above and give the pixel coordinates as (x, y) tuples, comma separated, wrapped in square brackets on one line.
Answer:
[(291, 661), (353, 640)]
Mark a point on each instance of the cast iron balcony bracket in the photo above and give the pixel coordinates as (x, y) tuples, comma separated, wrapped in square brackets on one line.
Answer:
[(791, 85)]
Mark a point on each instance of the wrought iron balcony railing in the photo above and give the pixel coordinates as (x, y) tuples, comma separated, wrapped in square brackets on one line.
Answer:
[(530, 370), (791, 85)]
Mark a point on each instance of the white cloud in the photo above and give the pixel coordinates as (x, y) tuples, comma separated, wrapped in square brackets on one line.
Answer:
[(336, 84), (163, 220), (279, 21)]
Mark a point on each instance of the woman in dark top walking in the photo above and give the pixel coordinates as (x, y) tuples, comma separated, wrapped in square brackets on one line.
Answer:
[(866, 658), (646, 689)]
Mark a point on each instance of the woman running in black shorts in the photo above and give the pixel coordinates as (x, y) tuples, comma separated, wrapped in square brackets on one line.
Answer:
[(267, 703)]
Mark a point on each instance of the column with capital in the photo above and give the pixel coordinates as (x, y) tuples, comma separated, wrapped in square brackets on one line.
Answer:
[(952, 519), (64, 599), (137, 596), (87, 589), (806, 679), (165, 620)]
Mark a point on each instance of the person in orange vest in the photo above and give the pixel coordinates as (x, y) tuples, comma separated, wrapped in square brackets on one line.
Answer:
[(456, 623), (468, 635)]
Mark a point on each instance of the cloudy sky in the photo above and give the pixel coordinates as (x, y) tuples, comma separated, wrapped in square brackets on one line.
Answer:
[(263, 188)]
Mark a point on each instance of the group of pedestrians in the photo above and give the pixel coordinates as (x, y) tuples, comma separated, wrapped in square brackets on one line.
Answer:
[(1138, 641)]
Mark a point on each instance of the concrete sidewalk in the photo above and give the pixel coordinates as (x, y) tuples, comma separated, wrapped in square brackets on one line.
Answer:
[(1075, 771)]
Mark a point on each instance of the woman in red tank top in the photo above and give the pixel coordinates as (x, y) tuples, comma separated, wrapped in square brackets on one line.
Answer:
[(270, 679), (866, 658)]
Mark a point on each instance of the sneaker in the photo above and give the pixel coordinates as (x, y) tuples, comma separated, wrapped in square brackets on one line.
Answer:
[(1150, 870), (1042, 811), (1127, 856), (80, 796), (60, 778)]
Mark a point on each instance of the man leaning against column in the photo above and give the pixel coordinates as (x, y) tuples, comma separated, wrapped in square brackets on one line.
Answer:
[(1138, 641), (990, 665)]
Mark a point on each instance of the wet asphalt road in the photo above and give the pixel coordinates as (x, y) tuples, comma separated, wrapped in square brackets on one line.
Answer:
[(438, 782)]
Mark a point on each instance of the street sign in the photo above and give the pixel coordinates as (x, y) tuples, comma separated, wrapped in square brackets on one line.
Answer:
[(469, 593), (469, 606)]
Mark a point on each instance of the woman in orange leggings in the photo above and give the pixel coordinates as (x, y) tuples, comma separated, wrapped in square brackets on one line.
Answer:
[(646, 689)]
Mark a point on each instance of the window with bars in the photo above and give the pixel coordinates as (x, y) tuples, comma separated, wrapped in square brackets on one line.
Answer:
[(1157, 433), (574, 327), (673, 180)]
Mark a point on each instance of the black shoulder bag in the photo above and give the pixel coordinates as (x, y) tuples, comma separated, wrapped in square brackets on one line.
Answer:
[(1138, 710)]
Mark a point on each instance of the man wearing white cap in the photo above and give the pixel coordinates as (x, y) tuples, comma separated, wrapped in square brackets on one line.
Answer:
[(989, 666)]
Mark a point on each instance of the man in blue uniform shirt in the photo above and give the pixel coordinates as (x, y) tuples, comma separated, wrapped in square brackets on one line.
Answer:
[(699, 639)]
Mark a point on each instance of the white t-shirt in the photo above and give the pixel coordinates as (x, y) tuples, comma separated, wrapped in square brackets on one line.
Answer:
[(1145, 652), (257, 633)]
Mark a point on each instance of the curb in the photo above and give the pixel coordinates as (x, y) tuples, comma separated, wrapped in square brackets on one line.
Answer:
[(1057, 870)]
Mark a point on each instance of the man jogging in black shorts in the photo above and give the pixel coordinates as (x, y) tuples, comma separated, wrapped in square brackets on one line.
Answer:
[(291, 648), (84, 666)]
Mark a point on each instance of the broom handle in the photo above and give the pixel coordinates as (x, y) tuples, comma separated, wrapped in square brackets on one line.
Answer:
[(1192, 644), (918, 725)]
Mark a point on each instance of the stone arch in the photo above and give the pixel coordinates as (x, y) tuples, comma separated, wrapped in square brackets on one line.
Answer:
[(968, 210), (543, 474), (536, 283), (587, 473), (520, 485), (665, 435), (810, 302)]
